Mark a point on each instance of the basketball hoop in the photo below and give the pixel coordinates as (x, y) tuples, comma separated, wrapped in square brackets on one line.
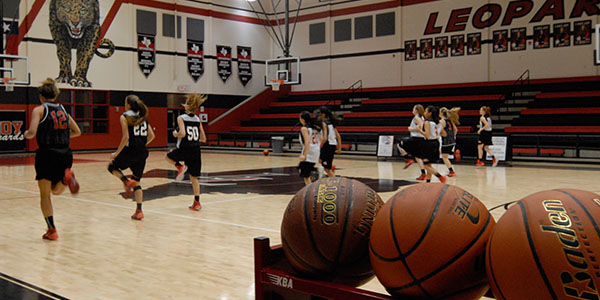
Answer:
[(275, 83), (8, 83)]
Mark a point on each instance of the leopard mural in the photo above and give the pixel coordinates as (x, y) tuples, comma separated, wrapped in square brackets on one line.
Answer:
[(74, 24)]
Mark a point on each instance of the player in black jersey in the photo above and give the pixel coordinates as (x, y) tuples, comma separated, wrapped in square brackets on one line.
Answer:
[(132, 152), (189, 135), (331, 138), (53, 128), (448, 121)]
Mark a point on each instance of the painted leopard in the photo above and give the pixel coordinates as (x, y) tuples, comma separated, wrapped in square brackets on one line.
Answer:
[(74, 24)]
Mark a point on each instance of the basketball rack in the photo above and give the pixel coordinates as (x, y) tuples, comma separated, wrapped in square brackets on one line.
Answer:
[(274, 279)]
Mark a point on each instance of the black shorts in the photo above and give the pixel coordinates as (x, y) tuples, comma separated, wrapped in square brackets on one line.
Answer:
[(134, 159), (485, 137), (190, 156), (431, 151), (326, 156), (50, 163), (413, 145), (306, 168), (448, 149)]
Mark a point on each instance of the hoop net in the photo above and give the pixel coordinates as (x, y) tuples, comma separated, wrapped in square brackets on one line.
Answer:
[(8, 83), (275, 83)]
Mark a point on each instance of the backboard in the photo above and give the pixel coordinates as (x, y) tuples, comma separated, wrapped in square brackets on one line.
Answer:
[(17, 67), (285, 68)]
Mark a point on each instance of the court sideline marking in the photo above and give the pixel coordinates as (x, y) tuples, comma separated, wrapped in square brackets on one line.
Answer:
[(151, 211)]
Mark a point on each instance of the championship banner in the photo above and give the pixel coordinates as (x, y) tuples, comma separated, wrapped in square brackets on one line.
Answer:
[(583, 33), (474, 43), (195, 59), (146, 53), (541, 37), (517, 39), (11, 130), (10, 27), (224, 62), (244, 58)]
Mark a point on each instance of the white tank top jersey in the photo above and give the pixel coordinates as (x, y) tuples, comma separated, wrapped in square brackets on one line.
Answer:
[(434, 130), (314, 147), (331, 138), (413, 124), (489, 120)]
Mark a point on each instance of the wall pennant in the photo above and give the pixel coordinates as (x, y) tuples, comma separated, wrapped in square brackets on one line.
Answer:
[(195, 58), (224, 62), (146, 53), (244, 57)]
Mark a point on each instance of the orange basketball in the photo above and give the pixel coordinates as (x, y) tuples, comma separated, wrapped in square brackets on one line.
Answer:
[(547, 246), (266, 152), (325, 230), (428, 242)]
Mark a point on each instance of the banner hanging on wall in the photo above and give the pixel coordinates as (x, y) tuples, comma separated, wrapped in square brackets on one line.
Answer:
[(224, 62), (11, 130), (146, 53), (195, 59), (244, 56)]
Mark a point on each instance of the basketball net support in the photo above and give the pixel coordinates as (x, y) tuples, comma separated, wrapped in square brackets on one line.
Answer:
[(283, 38)]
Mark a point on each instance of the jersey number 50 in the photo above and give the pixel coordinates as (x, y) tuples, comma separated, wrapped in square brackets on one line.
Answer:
[(141, 130), (192, 133)]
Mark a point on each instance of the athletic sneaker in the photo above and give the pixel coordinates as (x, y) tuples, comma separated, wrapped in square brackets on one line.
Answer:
[(321, 171), (138, 215), (442, 179), (422, 177), (129, 185), (494, 162), (408, 162), (479, 164), (457, 155), (69, 180), (181, 172), (196, 206), (50, 234), (451, 174)]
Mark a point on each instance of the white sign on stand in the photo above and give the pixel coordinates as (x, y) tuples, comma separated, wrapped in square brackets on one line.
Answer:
[(385, 147), (498, 148)]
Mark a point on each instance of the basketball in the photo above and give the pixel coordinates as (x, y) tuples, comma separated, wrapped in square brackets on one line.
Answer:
[(325, 230), (547, 246), (428, 242), (266, 152)]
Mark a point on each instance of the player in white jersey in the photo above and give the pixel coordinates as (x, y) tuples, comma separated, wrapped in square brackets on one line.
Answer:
[(190, 135), (310, 139), (332, 140), (485, 136), (413, 144), (431, 148)]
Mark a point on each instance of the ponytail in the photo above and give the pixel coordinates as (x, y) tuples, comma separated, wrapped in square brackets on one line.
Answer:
[(310, 121), (453, 115), (487, 110), (420, 109), (194, 101), (139, 107), (49, 90), (330, 115), (435, 113)]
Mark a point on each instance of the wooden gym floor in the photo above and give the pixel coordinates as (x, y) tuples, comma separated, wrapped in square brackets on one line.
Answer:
[(175, 253)]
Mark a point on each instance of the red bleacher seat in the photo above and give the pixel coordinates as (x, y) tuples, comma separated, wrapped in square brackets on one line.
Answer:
[(306, 103), (548, 151), (393, 114), (434, 99), (553, 129), (577, 94), (561, 111)]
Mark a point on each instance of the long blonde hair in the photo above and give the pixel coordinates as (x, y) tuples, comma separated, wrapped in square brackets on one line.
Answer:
[(194, 101), (49, 90), (451, 114), (420, 109), (137, 106)]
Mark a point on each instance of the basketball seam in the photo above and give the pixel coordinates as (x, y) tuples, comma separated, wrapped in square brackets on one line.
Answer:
[(298, 258), (451, 261), (584, 209), (349, 203), (534, 252), (401, 256), (308, 228), (429, 224), (492, 268)]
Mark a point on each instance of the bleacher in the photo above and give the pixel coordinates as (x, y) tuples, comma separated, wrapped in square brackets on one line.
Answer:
[(555, 122)]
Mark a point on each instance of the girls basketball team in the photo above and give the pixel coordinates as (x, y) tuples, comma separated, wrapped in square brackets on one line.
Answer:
[(53, 127)]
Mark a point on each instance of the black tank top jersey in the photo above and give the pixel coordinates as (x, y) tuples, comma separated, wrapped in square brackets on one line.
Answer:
[(449, 139), (192, 132), (138, 134), (53, 130)]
